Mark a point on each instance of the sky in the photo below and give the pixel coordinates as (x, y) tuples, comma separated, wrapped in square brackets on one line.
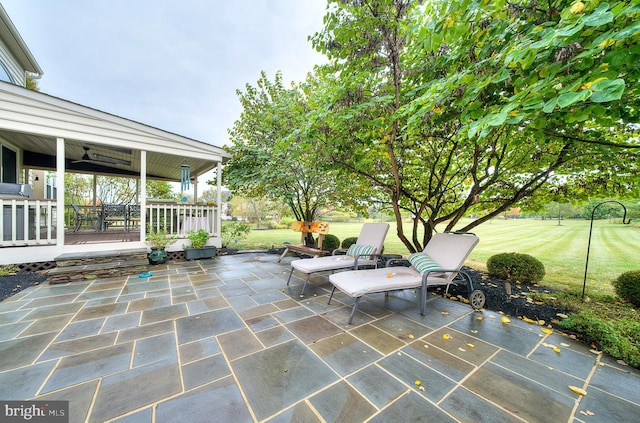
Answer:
[(171, 64)]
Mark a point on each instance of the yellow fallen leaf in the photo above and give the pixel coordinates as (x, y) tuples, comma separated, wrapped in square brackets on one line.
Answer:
[(410, 336), (479, 318), (445, 336), (541, 322), (556, 349), (547, 331), (445, 313), (577, 390), (454, 298), (389, 275), (471, 346), (418, 383), (562, 315), (577, 7), (505, 319), (530, 321)]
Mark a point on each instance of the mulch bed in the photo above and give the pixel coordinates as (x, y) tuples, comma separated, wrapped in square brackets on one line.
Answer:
[(12, 284)]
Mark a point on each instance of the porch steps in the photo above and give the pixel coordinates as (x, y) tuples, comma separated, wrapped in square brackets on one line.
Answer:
[(82, 266)]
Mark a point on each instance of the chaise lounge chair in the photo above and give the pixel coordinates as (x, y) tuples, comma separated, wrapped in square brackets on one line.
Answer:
[(438, 264), (365, 252)]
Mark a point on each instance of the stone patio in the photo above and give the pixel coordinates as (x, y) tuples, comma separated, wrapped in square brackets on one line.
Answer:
[(225, 340)]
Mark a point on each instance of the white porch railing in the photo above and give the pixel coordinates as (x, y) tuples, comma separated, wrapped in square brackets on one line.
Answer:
[(33, 222), (27, 222), (179, 218)]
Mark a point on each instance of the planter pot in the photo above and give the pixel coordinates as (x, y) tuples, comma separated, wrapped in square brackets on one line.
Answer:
[(157, 256), (200, 253)]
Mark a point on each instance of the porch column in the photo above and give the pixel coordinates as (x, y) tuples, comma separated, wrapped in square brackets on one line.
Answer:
[(219, 198), (143, 195), (61, 189)]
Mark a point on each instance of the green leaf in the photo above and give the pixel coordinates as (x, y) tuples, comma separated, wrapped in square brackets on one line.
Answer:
[(600, 16), (497, 119), (628, 31), (550, 105), (607, 90), (567, 99)]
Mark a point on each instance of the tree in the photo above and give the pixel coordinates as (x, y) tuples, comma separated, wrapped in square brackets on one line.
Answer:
[(452, 108), (269, 161), (161, 190)]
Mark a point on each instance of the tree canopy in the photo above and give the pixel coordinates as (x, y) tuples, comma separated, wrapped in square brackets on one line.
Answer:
[(442, 110), (270, 158)]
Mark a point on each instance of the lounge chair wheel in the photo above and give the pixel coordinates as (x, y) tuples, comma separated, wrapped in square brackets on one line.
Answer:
[(477, 299)]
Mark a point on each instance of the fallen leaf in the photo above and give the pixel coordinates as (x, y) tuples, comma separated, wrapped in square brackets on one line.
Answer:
[(446, 313), (454, 298), (479, 318), (556, 349), (577, 390), (421, 388), (446, 336), (562, 315), (462, 349), (505, 319), (474, 331), (471, 346), (541, 322), (547, 331), (530, 321), (418, 383)]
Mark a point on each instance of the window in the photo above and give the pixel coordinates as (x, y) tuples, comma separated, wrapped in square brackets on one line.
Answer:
[(4, 74), (9, 166)]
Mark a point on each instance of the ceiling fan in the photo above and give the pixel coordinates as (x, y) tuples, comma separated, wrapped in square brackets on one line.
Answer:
[(101, 158)]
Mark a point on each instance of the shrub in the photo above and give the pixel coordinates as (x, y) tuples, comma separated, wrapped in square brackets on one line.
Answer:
[(198, 238), (287, 222), (627, 286), (516, 267), (234, 231), (330, 243), (348, 242)]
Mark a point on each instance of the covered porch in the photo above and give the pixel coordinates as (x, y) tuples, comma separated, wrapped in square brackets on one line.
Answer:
[(39, 132)]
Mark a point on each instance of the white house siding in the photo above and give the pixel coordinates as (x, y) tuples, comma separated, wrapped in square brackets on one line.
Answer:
[(11, 65)]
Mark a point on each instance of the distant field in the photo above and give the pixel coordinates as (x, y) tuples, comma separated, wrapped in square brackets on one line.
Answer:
[(615, 248)]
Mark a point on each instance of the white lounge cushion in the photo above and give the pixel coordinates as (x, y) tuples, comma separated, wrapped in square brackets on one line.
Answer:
[(327, 263), (358, 283)]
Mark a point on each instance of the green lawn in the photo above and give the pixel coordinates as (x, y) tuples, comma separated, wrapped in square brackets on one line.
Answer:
[(562, 249)]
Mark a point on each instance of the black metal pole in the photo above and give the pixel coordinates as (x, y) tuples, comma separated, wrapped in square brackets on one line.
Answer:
[(593, 212)]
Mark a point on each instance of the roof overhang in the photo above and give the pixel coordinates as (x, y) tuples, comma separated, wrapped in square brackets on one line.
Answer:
[(33, 121), (15, 43)]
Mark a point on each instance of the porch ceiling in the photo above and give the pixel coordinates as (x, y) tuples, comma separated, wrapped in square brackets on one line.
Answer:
[(32, 122)]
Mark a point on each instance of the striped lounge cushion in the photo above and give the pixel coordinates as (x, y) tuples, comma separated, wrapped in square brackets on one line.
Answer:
[(422, 262), (356, 250)]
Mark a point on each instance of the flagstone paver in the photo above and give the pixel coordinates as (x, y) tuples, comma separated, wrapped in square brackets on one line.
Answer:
[(226, 339)]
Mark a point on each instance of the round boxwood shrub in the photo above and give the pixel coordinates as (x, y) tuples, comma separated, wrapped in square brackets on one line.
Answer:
[(627, 286), (348, 242), (330, 243), (516, 267)]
